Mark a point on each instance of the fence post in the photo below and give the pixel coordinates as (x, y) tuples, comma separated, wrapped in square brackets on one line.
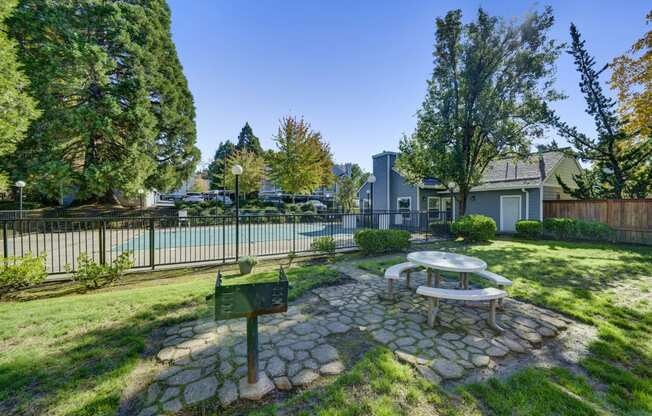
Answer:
[(102, 237), (151, 242), (5, 240), (249, 237), (294, 233)]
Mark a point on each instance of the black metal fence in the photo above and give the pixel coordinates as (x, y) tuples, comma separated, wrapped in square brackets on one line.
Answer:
[(159, 241)]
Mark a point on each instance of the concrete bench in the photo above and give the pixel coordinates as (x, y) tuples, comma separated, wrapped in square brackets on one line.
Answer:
[(497, 279), (394, 273), (490, 294)]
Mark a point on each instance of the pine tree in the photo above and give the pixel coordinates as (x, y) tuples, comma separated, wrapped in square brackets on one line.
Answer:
[(216, 167), (616, 154), (116, 108), (18, 108), (248, 141)]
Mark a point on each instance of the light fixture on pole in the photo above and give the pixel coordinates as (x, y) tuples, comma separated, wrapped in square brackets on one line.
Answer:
[(20, 185), (236, 170), (451, 187), (371, 180), (141, 192)]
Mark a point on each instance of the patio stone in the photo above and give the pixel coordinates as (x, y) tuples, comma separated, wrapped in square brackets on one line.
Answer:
[(258, 390), (296, 348)]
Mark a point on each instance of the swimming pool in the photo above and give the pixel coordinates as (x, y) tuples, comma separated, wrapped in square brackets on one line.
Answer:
[(215, 235)]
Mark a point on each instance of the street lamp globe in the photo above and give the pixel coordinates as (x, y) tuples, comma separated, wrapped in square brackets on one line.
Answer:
[(371, 179), (141, 191), (20, 184), (236, 170)]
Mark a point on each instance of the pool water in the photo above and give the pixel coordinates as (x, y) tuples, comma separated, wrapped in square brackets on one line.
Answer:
[(218, 235)]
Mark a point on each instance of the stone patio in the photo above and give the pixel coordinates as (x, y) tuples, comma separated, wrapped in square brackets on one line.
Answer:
[(207, 360)]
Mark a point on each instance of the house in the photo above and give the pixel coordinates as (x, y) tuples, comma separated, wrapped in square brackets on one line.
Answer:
[(323, 193), (510, 189)]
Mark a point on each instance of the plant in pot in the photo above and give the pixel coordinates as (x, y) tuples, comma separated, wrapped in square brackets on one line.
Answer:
[(246, 264)]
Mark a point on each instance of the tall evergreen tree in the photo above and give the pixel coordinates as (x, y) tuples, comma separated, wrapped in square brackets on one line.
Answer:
[(18, 109), (116, 108), (248, 141), (617, 154), (216, 167)]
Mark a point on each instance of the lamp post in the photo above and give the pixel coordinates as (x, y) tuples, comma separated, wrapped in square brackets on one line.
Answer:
[(371, 180), (237, 171), (20, 185), (141, 192), (451, 186)]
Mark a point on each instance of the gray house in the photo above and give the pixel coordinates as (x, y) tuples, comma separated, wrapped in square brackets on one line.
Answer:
[(511, 189)]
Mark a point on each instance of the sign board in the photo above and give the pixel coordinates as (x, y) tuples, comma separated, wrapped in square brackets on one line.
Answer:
[(250, 299)]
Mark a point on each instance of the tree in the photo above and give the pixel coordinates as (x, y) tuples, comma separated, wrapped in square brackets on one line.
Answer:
[(617, 155), (486, 98), (18, 107), (302, 161), (632, 79), (216, 167), (253, 171), (347, 187), (248, 141), (115, 103)]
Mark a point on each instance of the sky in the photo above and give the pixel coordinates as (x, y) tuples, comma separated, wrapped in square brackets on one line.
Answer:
[(355, 70)]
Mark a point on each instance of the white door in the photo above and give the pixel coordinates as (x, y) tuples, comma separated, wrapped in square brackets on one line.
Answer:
[(510, 212)]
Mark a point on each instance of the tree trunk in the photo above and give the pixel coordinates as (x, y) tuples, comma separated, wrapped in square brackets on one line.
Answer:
[(462, 202)]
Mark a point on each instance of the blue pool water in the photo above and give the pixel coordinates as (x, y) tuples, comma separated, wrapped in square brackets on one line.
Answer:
[(218, 235)]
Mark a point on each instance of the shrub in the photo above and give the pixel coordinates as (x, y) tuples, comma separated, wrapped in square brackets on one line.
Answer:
[(474, 228), (19, 272), (248, 260), (93, 275), (381, 241), (325, 245), (529, 228), (569, 228)]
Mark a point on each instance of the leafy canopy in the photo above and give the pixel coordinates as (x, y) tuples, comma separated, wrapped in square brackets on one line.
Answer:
[(216, 167), (253, 169), (302, 161), (347, 187), (486, 98)]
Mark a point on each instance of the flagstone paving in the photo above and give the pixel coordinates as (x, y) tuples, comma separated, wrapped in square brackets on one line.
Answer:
[(204, 360)]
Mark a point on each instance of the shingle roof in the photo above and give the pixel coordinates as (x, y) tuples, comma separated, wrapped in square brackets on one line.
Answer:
[(510, 172)]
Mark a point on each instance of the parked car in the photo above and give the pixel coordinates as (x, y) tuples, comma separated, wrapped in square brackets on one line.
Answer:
[(319, 206), (275, 201), (193, 197), (218, 196)]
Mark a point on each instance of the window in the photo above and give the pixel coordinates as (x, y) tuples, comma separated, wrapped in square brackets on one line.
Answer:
[(434, 207), (404, 204)]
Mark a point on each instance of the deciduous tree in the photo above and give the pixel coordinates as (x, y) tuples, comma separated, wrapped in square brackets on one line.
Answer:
[(486, 98), (253, 170), (302, 161), (347, 187)]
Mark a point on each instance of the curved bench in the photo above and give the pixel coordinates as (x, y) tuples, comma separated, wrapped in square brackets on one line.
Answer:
[(496, 279), (490, 294), (394, 273)]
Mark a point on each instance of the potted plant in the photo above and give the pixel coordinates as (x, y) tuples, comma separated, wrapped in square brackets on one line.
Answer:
[(246, 264)]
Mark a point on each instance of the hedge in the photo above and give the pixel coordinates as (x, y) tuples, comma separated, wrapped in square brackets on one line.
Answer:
[(529, 228), (574, 229), (371, 241), (474, 228)]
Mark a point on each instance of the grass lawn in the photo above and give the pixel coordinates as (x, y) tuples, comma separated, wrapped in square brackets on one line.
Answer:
[(575, 279), (73, 354)]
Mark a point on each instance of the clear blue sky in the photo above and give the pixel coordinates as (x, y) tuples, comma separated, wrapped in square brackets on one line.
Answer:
[(356, 70)]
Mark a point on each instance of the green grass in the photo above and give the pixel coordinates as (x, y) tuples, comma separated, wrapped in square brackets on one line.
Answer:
[(73, 354), (379, 266), (573, 278), (376, 385)]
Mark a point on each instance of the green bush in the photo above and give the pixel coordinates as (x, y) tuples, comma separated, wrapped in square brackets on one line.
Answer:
[(474, 228), (572, 229), (529, 228), (93, 275), (249, 260), (381, 241), (325, 245), (19, 272)]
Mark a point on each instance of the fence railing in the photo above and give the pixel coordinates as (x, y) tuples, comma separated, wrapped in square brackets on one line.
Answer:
[(160, 241)]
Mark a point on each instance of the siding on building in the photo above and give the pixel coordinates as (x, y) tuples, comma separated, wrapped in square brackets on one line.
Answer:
[(488, 203)]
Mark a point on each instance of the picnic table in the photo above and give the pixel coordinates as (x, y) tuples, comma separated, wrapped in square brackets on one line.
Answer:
[(445, 261)]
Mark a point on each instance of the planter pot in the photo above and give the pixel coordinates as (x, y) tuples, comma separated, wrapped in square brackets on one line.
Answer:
[(245, 268)]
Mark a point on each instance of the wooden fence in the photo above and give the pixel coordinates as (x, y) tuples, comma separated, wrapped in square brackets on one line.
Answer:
[(631, 218)]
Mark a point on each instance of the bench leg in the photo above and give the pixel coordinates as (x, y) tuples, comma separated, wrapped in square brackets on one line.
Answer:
[(492, 316), (437, 278), (500, 301), (429, 277), (433, 308), (407, 278), (390, 288), (461, 284)]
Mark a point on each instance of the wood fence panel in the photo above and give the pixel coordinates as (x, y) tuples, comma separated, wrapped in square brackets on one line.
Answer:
[(631, 218)]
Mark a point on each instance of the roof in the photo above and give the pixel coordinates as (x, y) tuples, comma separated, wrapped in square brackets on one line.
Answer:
[(383, 153)]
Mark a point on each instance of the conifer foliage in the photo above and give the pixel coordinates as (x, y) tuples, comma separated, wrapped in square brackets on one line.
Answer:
[(116, 109)]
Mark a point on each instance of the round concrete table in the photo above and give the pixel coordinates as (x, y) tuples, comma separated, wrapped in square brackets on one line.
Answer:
[(450, 262)]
